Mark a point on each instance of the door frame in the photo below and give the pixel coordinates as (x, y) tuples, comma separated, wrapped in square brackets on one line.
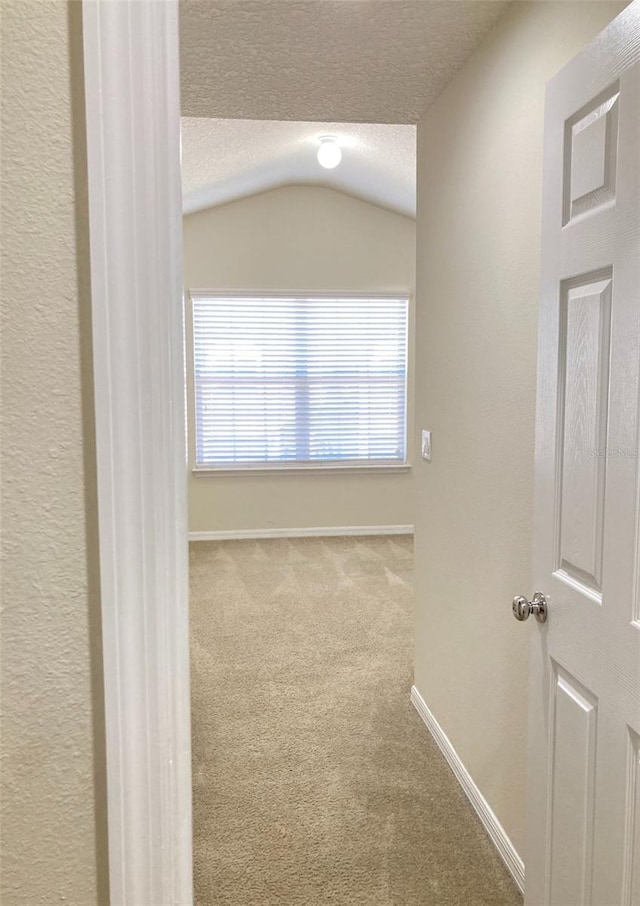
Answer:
[(131, 86)]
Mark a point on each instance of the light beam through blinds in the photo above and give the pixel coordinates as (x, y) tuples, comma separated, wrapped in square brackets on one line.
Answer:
[(299, 380)]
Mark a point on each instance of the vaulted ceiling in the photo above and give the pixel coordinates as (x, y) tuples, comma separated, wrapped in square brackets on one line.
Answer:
[(227, 159), (315, 67), (359, 61)]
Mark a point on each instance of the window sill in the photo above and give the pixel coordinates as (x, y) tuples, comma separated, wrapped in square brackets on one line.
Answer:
[(299, 469)]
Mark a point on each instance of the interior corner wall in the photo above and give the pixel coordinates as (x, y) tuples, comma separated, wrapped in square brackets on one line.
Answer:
[(299, 238), (54, 846), (478, 264)]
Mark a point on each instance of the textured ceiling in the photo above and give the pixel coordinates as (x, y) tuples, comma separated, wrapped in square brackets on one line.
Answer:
[(227, 159), (376, 61)]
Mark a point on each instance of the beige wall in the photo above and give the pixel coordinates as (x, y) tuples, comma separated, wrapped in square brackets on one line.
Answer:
[(479, 192), (53, 827), (299, 238)]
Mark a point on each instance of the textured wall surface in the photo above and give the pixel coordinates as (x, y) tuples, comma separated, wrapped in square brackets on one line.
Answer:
[(49, 811), (478, 253), (312, 239), (382, 61)]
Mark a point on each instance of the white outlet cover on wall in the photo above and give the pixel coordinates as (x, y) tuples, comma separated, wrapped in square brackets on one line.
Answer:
[(426, 445)]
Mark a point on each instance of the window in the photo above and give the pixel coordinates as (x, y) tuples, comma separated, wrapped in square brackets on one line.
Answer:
[(309, 381)]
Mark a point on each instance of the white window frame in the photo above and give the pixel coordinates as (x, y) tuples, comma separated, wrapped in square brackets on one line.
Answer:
[(300, 467)]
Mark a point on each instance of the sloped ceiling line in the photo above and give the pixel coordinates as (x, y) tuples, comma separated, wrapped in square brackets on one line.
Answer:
[(262, 79), (223, 160)]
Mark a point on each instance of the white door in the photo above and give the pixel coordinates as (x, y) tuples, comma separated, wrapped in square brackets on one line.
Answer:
[(583, 846)]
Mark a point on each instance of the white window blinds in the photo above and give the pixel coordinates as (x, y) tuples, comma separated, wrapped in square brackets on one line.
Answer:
[(304, 380)]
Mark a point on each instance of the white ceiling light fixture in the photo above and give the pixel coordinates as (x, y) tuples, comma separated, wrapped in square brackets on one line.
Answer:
[(329, 152), (224, 160)]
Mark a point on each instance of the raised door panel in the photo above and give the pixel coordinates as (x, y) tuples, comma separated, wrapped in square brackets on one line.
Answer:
[(631, 877), (584, 385), (572, 760), (591, 139)]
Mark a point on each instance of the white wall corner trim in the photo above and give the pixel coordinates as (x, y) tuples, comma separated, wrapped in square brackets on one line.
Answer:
[(131, 74), (319, 532), (484, 811)]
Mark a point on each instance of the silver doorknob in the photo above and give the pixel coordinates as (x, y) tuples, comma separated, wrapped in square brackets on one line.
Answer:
[(522, 608)]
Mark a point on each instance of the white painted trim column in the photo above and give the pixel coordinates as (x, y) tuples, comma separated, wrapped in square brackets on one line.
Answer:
[(133, 136)]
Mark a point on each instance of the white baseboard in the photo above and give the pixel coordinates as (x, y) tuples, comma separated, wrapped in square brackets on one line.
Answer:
[(320, 532), (484, 811)]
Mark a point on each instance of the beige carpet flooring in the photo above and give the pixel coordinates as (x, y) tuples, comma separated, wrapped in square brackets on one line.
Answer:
[(315, 782)]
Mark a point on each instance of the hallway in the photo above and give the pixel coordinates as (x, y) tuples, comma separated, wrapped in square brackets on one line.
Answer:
[(314, 779)]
